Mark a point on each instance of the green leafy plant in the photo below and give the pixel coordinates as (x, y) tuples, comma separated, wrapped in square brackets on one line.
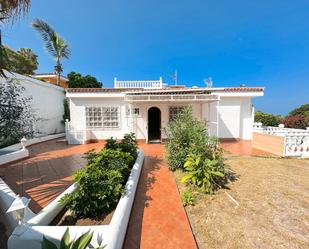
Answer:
[(111, 143), (186, 135), (129, 144), (267, 119), (81, 242), (303, 111), (102, 181), (187, 198), (17, 117), (66, 111), (203, 172), (76, 80), (19, 61)]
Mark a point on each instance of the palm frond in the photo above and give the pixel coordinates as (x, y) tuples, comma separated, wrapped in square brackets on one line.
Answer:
[(54, 44), (11, 10), (64, 50), (47, 33)]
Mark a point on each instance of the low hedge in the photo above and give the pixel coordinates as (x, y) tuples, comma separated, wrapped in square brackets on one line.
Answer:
[(102, 181)]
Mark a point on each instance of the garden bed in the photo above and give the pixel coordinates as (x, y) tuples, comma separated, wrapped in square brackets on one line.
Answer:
[(112, 226), (65, 218)]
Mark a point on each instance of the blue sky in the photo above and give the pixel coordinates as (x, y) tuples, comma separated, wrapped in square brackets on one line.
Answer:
[(259, 43)]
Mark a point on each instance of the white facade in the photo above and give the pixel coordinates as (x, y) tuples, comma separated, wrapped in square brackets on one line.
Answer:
[(228, 111), (47, 102)]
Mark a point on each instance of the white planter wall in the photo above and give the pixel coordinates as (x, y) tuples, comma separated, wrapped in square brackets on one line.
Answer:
[(29, 235)]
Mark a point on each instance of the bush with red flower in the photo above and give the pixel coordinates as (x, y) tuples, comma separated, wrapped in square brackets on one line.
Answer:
[(297, 122)]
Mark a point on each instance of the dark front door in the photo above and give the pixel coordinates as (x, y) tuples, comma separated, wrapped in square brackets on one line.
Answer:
[(154, 125)]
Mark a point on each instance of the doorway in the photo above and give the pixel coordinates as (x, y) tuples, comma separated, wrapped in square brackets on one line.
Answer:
[(154, 125)]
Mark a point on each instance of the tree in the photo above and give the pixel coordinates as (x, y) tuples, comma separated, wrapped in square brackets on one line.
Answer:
[(54, 44), (17, 117), (18, 62), (29, 55), (10, 10), (296, 122), (76, 80), (267, 119), (303, 111)]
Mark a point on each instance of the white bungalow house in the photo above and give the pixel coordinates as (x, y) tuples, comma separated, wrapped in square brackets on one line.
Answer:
[(145, 107)]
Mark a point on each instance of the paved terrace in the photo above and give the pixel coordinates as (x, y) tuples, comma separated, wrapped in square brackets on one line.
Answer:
[(157, 217)]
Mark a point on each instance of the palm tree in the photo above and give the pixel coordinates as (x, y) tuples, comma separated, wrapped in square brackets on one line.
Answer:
[(10, 10), (29, 55), (54, 44)]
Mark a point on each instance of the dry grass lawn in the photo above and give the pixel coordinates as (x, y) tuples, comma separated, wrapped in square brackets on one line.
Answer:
[(273, 210)]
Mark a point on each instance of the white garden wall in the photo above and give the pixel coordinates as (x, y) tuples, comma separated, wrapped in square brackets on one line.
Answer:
[(47, 101)]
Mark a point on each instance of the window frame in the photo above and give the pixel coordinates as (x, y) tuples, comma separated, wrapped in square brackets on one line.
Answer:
[(101, 119), (180, 107)]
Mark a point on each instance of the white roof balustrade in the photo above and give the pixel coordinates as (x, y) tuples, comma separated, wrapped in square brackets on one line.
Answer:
[(144, 84)]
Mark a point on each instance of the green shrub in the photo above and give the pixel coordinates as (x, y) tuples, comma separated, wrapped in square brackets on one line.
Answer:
[(102, 181), (267, 119), (205, 172), (187, 198), (111, 143), (303, 111), (129, 144), (186, 135)]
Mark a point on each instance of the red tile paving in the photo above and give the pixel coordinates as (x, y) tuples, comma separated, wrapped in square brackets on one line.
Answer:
[(241, 148), (47, 172), (158, 219)]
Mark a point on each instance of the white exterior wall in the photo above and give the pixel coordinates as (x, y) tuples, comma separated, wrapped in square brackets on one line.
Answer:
[(142, 120), (235, 118), (137, 124), (230, 117), (47, 102), (78, 117)]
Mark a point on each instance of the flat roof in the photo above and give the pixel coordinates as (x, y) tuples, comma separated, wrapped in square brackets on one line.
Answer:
[(170, 90)]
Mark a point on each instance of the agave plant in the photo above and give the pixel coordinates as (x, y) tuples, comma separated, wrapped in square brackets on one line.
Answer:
[(66, 243)]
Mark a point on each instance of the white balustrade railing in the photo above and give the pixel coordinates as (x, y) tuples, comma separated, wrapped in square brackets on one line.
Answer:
[(297, 145), (145, 84), (296, 141)]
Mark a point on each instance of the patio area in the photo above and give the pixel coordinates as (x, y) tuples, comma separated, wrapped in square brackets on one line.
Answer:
[(158, 217)]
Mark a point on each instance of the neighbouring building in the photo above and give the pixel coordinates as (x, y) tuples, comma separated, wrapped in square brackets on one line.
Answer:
[(145, 107), (47, 103), (52, 79)]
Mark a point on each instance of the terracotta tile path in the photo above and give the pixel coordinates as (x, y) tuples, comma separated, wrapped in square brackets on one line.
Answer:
[(158, 219)]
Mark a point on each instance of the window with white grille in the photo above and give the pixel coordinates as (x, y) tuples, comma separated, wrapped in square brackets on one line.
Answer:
[(174, 111), (102, 117)]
